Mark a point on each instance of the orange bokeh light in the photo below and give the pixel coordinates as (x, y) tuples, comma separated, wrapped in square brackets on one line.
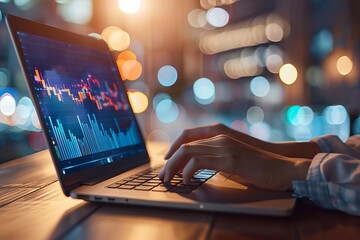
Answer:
[(129, 67), (131, 70), (139, 101)]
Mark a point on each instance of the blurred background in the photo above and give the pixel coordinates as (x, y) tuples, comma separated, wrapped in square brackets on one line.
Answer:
[(278, 70)]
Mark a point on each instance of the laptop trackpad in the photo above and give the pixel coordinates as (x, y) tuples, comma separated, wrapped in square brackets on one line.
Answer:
[(233, 189)]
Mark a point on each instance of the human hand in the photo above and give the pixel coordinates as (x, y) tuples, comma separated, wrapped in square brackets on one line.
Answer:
[(221, 152), (200, 133)]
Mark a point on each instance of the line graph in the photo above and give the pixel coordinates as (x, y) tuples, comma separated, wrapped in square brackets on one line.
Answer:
[(82, 91)]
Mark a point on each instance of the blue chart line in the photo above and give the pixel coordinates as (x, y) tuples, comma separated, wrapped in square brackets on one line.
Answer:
[(95, 138)]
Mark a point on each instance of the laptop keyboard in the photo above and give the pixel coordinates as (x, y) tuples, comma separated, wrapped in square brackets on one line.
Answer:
[(148, 181)]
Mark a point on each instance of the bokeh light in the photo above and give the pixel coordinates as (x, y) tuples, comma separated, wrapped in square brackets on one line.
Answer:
[(75, 11), (335, 115), (259, 86), (116, 38), (274, 32), (291, 115), (131, 70), (217, 17), (322, 44), (24, 4), (35, 121), (158, 135), (258, 33), (255, 114), (129, 6), (288, 74), (7, 104), (274, 62), (126, 55), (36, 141), (167, 75), (139, 101), (23, 112), (204, 89), (304, 116), (159, 97), (261, 130), (119, 40), (4, 77), (239, 125), (129, 67), (197, 18), (167, 111), (344, 65)]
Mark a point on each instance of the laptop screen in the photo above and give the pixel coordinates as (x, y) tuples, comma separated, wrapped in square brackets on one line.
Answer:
[(85, 109)]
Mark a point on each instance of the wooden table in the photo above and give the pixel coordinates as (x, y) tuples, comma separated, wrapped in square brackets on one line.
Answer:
[(33, 207)]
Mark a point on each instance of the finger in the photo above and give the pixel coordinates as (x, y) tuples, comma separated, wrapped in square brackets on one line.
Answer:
[(190, 135), (200, 162), (219, 145), (183, 155)]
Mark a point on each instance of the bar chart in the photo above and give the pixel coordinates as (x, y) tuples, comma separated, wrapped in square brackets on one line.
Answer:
[(95, 138)]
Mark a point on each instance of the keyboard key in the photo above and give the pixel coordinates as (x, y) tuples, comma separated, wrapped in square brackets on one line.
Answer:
[(133, 183), (121, 182), (129, 178), (144, 178), (114, 185), (144, 188), (159, 189), (129, 187), (138, 181), (150, 184), (150, 175), (154, 181)]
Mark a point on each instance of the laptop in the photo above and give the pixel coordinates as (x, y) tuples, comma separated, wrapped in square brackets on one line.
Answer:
[(95, 142)]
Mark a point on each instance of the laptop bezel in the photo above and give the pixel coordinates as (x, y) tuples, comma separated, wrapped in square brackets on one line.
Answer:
[(69, 181)]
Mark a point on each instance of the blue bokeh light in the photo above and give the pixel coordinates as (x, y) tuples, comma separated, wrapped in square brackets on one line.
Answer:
[(322, 44), (259, 86), (335, 115), (167, 111), (159, 97), (204, 89), (167, 75)]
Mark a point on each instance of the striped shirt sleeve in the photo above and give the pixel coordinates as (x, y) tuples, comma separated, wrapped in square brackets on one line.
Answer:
[(333, 179)]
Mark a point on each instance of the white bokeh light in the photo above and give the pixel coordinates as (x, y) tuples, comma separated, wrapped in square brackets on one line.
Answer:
[(130, 6), (7, 104), (217, 17)]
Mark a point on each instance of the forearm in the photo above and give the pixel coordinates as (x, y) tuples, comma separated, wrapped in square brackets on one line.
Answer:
[(296, 149), (288, 149), (270, 170)]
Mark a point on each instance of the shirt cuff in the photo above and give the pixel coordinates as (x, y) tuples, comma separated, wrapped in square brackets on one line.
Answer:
[(328, 143), (330, 195), (343, 197), (314, 172)]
